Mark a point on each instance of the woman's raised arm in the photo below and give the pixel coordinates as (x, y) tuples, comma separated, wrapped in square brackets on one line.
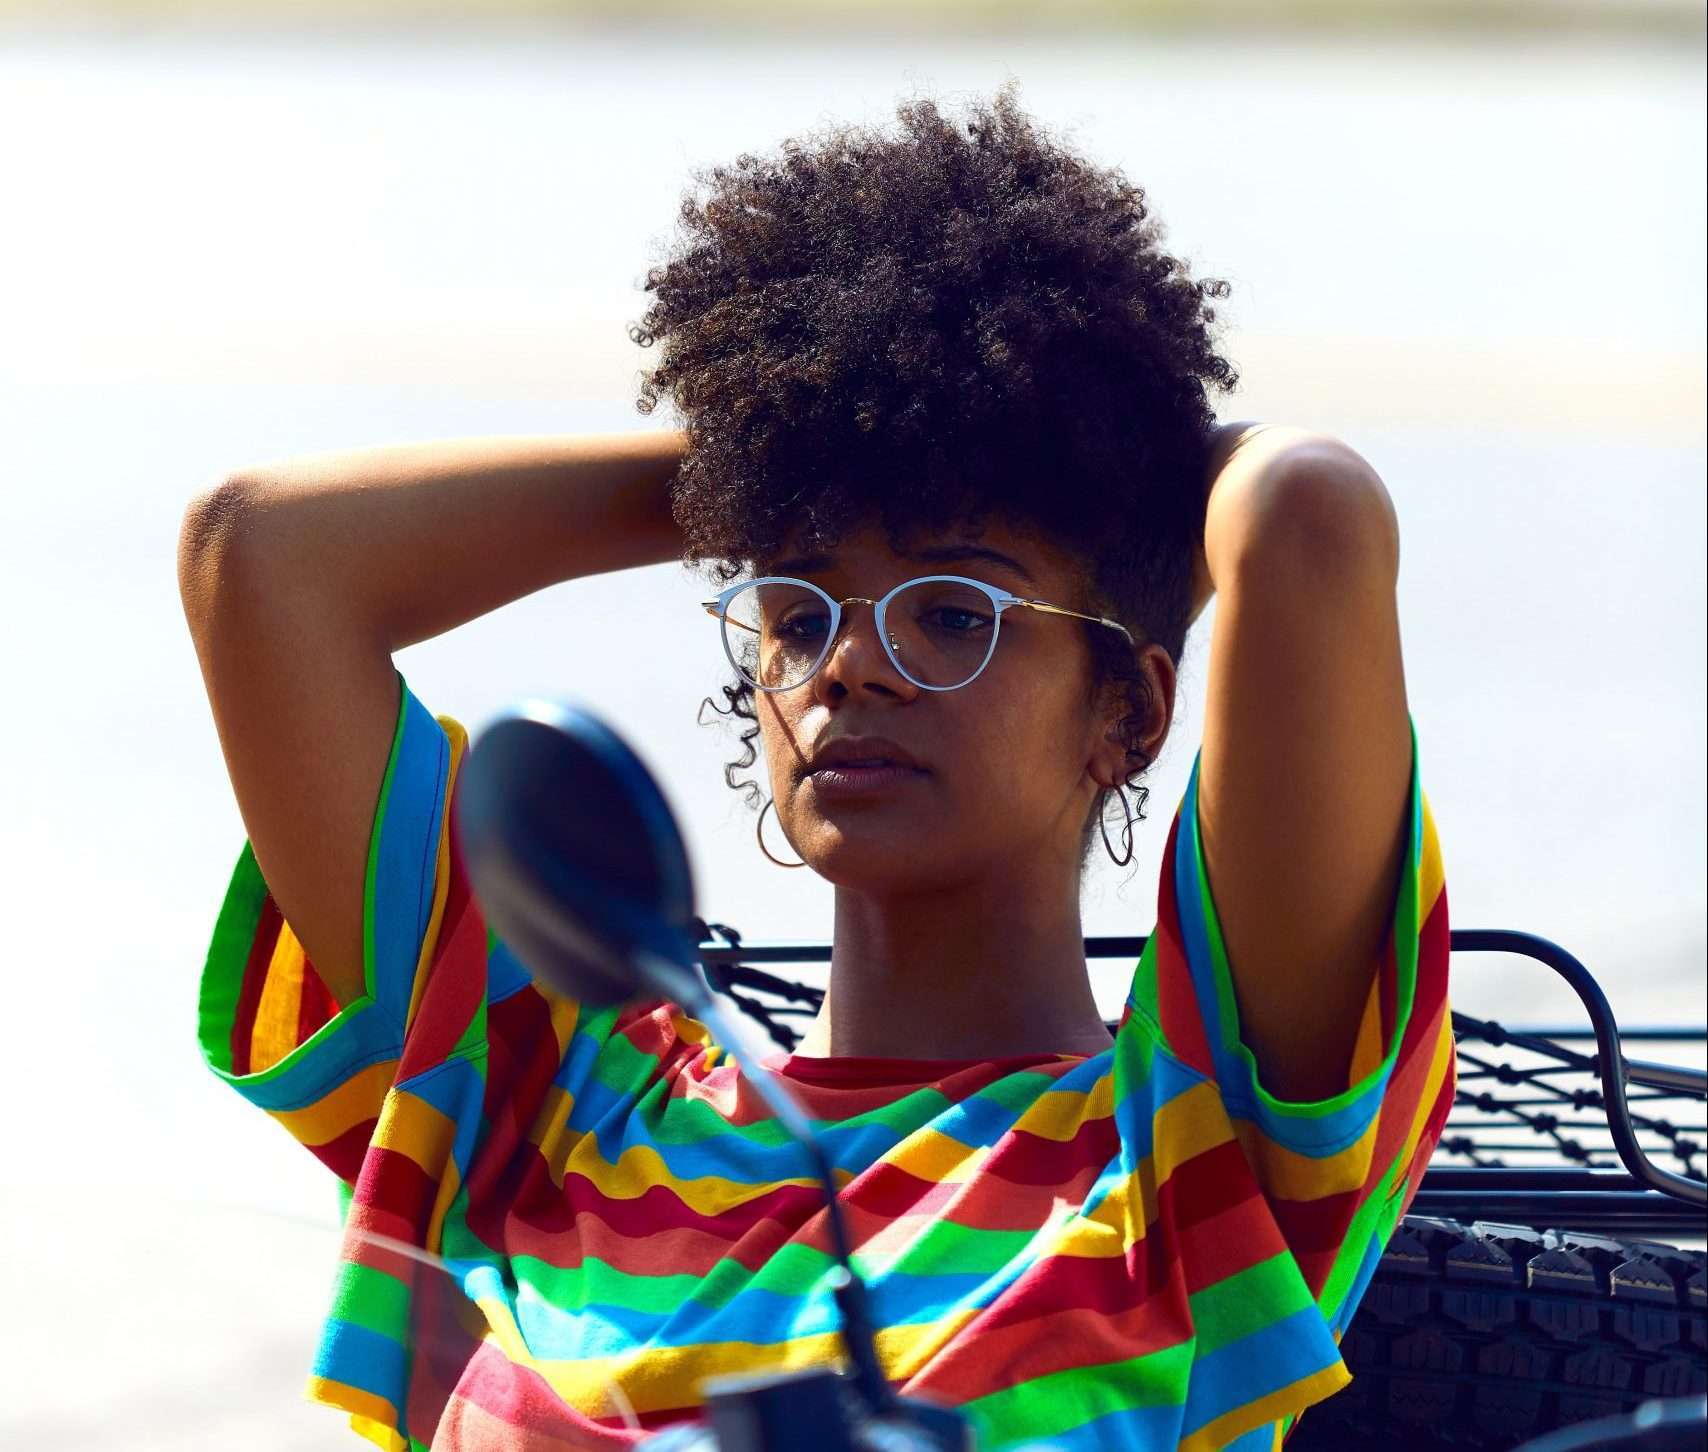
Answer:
[(299, 580)]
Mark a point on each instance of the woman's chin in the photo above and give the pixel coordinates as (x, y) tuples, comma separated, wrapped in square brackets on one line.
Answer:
[(863, 858)]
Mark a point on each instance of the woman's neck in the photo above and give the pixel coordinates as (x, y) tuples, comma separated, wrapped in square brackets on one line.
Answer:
[(984, 970)]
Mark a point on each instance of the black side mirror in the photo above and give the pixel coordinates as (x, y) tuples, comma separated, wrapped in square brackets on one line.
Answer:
[(576, 856), (580, 867)]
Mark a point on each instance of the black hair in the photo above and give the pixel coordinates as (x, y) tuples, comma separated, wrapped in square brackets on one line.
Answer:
[(927, 328)]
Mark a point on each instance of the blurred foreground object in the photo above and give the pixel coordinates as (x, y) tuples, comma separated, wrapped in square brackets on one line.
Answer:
[(581, 868)]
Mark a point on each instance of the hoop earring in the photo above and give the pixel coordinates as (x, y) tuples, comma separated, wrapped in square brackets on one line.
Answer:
[(1103, 827), (759, 832)]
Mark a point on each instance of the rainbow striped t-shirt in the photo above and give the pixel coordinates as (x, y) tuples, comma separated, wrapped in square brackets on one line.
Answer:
[(1133, 1250)]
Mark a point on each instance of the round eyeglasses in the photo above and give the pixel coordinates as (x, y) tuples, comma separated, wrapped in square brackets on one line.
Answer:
[(939, 631)]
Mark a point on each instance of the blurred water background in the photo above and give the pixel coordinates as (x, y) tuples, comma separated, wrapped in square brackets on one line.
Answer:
[(1475, 253)]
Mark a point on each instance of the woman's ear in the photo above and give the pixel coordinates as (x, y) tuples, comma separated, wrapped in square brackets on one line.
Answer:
[(1110, 764), (1160, 665)]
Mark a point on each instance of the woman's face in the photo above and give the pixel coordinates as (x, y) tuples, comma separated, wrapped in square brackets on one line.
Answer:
[(1007, 767)]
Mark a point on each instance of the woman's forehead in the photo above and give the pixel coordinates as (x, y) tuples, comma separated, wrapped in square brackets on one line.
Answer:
[(1015, 550)]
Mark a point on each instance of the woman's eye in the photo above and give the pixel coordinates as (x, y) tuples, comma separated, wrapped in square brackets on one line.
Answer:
[(959, 621), (803, 625)]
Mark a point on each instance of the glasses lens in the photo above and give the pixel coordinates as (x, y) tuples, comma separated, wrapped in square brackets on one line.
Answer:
[(776, 632), (942, 633)]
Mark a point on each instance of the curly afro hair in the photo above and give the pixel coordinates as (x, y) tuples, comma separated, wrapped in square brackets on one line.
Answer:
[(924, 329)]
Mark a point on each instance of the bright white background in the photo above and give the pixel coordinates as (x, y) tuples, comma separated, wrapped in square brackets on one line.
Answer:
[(1483, 266)]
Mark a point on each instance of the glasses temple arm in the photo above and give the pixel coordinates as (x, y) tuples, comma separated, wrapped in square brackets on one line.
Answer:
[(1078, 615)]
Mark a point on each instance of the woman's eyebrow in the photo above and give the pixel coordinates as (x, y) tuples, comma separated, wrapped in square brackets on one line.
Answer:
[(959, 554), (937, 555)]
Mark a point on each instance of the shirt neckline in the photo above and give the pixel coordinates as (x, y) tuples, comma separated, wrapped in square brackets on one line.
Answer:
[(876, 1071)]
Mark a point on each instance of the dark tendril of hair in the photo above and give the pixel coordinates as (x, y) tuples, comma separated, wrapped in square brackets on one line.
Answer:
[(739, 702), (927, 329)]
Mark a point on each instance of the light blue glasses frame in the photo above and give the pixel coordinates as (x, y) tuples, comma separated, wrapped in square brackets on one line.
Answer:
[(1000, 600)]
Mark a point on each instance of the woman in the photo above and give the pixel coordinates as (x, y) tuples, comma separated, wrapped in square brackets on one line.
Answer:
[(951, 376)]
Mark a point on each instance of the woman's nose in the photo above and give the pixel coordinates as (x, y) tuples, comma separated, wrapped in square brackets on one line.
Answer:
[(857, 657)]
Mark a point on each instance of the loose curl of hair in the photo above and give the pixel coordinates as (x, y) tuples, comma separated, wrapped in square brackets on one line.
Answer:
[(925, 329)]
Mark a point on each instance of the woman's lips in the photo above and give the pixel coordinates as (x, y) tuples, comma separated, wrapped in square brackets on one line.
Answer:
[(845, 780)]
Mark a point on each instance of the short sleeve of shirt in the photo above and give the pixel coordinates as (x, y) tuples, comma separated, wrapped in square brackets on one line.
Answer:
[(1333, 1176), (451, 1068), (268, 1025), (432, 973)]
